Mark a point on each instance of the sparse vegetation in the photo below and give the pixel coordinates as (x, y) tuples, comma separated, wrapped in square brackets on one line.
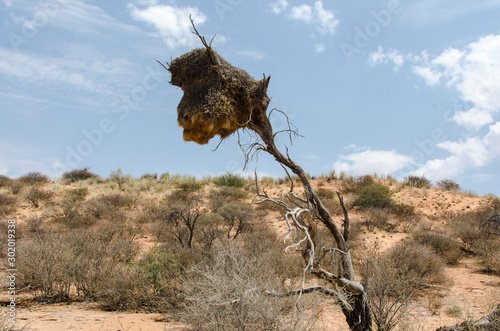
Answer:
[(95, 256)]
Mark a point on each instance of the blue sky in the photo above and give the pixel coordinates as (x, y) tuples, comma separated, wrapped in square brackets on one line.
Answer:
[(393, 87)]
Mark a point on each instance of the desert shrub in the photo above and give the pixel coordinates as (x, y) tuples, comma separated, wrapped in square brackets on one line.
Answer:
[(36, 197), (35, 177), (393, 277), (76, 175), (236, 217), (227, 292), (16, 186), (418, 264), (230, 180), (152, 284), (443, 245), (119, 200), (100, 208), (211, 229), (495, 203), (377, 218), (97, 254), (479, 233), (7, 204), (417, 181), (190, 186), (403, 211), (33, 224), (76, 194), (69, 211), (324, 193), (52, 265), (467, 227), (119, 178), (4, 181), (150, 176), (43, 263), (387, 293), (352, 184), (448, 185), (375, 195), (225, 194)]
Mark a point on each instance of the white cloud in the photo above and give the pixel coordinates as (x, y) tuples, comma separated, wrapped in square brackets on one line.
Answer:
[(370, 161), (74, 15), (7, 3), (79, 68), (474, 73), (473, 119), (325, 20), (278, 6), (171, 22), (17, 160), (430, 76), (302, 13), (392, 55), (319, 48), (474, 152)]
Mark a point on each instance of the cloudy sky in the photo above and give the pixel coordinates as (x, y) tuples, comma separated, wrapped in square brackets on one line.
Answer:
[(392, 87)]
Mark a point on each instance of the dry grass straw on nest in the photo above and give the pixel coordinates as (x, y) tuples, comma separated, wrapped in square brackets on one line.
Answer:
[(218, 97)]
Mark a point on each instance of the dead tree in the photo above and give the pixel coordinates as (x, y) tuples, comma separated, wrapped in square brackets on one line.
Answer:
[(220, 99)]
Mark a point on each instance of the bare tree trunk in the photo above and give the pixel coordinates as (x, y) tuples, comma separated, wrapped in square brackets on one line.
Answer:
[(357, 312)]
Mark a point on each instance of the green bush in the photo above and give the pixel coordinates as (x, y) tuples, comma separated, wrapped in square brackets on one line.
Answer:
[(230, 180), (375, 195), (190, 186), (78, 175)]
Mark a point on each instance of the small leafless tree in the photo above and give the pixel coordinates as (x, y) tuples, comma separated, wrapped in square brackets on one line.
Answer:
[(182, 215)]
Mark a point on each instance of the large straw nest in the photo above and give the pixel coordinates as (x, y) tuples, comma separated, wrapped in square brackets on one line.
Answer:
[(218, 98)]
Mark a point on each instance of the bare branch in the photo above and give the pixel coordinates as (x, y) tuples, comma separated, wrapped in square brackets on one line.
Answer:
[(204, 42), (163, 65), (349, 285), (346, 217), (311, 289)]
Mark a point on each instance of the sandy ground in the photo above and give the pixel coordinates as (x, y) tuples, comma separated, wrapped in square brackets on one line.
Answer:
[(84, 316)]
